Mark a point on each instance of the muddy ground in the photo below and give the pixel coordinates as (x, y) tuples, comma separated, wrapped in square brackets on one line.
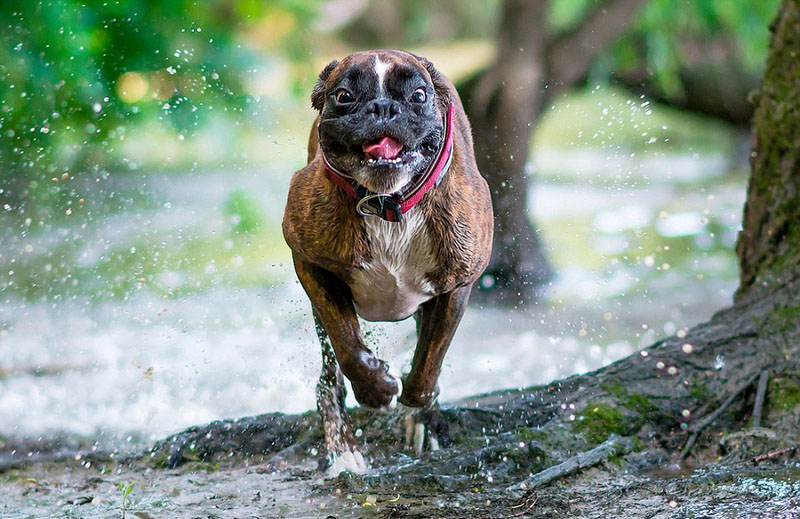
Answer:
[(648, 484)]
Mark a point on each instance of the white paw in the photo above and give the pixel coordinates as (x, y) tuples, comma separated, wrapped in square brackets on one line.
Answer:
[(417, 433), (348, 461)]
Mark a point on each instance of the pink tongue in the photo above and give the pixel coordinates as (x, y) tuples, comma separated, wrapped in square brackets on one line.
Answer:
[(386, 148)]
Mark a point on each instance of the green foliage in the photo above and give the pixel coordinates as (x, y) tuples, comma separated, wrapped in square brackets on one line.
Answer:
[(243, 212), (563, 15), (125, 490), (672, 34), (598, 421), (75, 76)]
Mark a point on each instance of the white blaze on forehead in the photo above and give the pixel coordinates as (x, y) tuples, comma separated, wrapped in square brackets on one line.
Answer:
[(381, 68)]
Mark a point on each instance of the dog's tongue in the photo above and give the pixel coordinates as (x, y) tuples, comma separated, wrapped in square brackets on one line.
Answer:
[(385, 148)]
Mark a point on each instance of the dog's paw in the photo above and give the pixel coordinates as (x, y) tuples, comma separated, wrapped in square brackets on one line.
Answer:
[(347, 461), (414, 396), (425, 429), (376, 391)]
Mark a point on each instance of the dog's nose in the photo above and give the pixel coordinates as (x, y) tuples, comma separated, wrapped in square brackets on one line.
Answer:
[(384, 109)]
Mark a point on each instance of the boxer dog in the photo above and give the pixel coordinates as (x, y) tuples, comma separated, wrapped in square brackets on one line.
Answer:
[(390, 219)]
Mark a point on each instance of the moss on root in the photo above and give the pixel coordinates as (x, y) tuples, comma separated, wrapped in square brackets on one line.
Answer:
[(784, 393), (638, 403), (527, 434), (598, 421)]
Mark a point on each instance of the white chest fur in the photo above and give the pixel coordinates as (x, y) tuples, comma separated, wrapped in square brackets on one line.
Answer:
[(394, 283)]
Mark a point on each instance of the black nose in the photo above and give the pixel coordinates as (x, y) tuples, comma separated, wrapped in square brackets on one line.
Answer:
[(384, 109)]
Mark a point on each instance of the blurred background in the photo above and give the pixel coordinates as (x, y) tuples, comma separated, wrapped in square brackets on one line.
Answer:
[(146, 149)]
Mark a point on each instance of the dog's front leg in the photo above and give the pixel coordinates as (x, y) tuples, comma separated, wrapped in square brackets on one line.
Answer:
[(342, 346), (437, 321), (332, 302)]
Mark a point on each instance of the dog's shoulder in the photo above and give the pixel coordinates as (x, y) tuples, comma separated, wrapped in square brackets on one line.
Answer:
[(319, 224)]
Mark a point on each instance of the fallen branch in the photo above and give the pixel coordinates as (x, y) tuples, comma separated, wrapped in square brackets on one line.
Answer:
[(687, 449), (773, 454), (613, 445), (761, 394)]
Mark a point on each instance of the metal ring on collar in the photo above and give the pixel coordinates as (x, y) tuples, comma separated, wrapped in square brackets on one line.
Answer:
[(364, 200)]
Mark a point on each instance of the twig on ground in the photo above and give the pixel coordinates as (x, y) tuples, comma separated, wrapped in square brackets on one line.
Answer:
[(687, 449), (529, 500), (613, 445), (761, 394), (773, 454)]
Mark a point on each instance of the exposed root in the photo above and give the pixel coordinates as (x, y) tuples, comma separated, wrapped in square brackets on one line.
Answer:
[(761, 394), (700, 427)]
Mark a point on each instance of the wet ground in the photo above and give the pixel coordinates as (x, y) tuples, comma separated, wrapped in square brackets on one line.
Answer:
[(94, 490)]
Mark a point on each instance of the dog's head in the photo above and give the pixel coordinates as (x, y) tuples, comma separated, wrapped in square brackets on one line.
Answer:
[(381, 116)]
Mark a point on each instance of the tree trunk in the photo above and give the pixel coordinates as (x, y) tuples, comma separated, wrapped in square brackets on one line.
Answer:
[(769, 245), (502, 108), (503, 105)]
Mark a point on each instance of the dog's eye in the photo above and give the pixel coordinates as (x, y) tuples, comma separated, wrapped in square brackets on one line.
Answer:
[(344, 96), (419, 95)]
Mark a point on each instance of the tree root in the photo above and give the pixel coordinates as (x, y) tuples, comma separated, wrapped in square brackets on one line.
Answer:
[(697, 430), (761, 394)]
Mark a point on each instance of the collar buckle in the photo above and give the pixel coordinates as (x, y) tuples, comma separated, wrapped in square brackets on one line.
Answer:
[(384, 206)]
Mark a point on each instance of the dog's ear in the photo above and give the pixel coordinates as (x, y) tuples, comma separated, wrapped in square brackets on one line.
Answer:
[(318, 94), (440, 84)]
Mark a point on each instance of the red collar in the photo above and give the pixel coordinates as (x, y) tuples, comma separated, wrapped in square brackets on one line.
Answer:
[(392, 207)]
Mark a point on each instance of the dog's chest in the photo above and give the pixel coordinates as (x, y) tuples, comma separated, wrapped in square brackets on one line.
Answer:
[(393, 284)]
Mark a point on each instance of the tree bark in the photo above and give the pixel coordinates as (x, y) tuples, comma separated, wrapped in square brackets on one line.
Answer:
[(769, 244)]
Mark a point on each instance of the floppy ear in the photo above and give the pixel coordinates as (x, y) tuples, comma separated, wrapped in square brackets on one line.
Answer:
[(440, 84), (318, 94)]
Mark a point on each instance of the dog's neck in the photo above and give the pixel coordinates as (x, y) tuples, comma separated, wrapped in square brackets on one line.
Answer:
[(391, 207)]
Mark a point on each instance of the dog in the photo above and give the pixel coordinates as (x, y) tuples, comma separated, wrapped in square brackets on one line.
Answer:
[(389, 219)]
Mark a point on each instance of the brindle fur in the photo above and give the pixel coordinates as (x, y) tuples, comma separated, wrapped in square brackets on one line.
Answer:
[(329, 242)]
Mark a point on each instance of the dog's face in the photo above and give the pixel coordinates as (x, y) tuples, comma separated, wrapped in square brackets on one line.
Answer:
[(381, 116)]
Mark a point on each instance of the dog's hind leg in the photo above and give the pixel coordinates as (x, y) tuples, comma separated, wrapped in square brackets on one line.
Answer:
[(342, 453)]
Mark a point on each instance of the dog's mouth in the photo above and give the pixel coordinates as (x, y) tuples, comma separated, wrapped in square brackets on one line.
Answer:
[(385, 152)]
